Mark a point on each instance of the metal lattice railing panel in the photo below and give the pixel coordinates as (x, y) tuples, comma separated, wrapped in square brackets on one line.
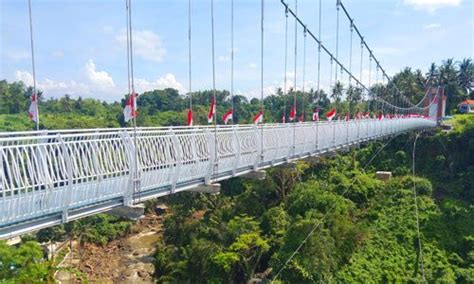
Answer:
[(57, 171)]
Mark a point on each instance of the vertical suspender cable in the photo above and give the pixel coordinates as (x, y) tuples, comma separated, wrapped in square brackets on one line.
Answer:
[(189, 58), (285, 91), (33, 65), (232, 58), (377, 87), (296, 55), (370, 81), (319, 55), (304, 73), (134, 121), (294, 83), (337, 37), (331, 89), (350, 52), (361, 58), (350, 63), (128, 49), (261, 73), (214, 85)]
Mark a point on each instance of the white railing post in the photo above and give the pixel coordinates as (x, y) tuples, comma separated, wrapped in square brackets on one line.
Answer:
[(259, 144), (130, 150), (67, 192), (236, 145), (179, 160), (277, 146), (212, 159)]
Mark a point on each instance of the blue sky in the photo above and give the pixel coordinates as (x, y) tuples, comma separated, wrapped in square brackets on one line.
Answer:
[(80, 45)]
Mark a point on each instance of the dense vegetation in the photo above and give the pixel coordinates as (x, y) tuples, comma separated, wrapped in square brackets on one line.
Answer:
[(364, 229), (168, 107)]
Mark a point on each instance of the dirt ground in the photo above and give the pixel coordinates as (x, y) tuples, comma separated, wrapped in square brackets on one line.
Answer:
[(127, 260)]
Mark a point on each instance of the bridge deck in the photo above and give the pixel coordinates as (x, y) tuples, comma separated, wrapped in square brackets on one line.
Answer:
[(51, 177)]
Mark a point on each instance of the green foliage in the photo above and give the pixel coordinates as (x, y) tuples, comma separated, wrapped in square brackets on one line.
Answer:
[(24, 264)]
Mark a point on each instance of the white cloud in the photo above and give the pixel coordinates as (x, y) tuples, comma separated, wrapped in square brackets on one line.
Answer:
[(18, 54), (52, 87), (146, 44), (167, 81), (431, 27), (98, 84), (24, 76), (100, 79), (431, 5)]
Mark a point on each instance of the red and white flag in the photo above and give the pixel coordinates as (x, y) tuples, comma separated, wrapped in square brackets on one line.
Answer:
[(227, 116), (212, 111), (33, 110), (292, 113), (316, 114), (130, 110), (258, 118), (380, 116), (331, 114), (189, 119)]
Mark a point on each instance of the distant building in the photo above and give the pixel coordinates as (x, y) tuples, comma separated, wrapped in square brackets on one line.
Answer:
[(466, 106)]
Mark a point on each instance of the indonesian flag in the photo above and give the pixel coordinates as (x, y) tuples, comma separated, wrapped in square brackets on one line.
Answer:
[(33, 110), (301, 118), (212, 111), (331, 114), (316, 114), (258, 118), (292, 113), (130, 110), (227, 116), (380, 116), (189, 119)]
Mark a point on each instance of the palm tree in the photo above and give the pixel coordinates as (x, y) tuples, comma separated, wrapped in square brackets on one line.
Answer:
[(433, 74), (466, 75), (448, 72), (337, 92)]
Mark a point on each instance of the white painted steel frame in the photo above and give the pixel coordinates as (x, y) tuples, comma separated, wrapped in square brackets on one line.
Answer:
[(51, 177)]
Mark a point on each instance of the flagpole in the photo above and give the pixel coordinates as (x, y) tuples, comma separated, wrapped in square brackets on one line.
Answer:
[(134, 110), (33, 66)]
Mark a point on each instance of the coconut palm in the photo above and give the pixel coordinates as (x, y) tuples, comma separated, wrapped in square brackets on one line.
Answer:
[(433, 74), (466, 75)]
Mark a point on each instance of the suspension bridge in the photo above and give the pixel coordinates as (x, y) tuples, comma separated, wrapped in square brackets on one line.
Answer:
[(52, 177)]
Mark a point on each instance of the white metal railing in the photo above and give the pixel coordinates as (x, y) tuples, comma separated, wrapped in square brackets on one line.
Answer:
[(54, 172)]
